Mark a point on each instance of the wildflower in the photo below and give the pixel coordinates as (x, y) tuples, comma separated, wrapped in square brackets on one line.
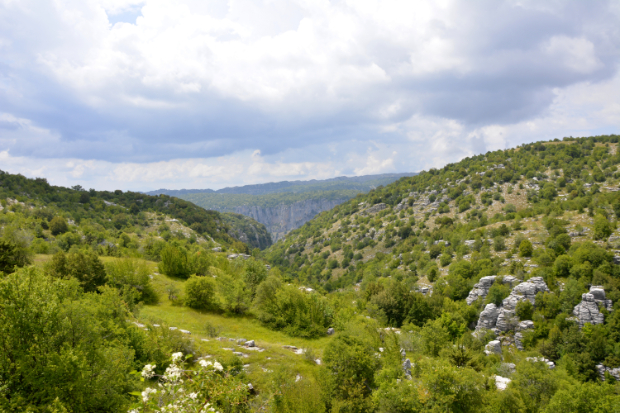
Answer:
[(172, 373), (205, 363), (177, 356), (148, 371), (193, 396), (146, 392), (217, 366)]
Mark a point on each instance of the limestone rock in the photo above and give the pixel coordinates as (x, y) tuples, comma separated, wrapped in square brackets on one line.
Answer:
[(519, 341), (493, 347), (525, 325), (488, 317), (330, 331), (501, 382), (599, 297), (526, 291), (481, 289), (587, 311), (250, 343), (548, 362), (614, 372)]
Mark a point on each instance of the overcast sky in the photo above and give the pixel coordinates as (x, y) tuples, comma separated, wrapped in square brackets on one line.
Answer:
[(140, 95)]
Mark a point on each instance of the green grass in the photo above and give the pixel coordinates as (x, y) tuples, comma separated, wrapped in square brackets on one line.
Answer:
[(272, 359), (231, 326)]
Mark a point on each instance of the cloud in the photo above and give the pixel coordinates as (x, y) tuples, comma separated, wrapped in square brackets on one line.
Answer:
[(153, 91)]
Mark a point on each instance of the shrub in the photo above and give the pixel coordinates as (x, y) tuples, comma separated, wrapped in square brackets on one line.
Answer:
[(200, 292), (602, 227), (174, 262), (526, 248), (461, 268), (58, 226), (131, 274), (524, 310), (86, 268)]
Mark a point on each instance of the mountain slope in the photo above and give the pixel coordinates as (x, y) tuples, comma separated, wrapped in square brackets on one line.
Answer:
[(124, 207), (359, 183)]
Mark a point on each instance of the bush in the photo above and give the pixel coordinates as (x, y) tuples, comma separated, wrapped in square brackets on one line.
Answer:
[(58, 226), (200, 293), (86, 268), (524, 310), (461, 268), (602, 227), (174, 262), (285, 307), (526, 248), (132, 274)]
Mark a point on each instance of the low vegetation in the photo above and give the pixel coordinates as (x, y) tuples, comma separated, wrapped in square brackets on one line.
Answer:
[(387, 303)]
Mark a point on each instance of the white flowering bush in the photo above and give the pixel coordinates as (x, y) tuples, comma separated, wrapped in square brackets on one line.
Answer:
[(207, 387)]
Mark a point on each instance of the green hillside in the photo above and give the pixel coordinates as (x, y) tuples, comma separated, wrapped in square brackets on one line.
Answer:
[(489, 285)]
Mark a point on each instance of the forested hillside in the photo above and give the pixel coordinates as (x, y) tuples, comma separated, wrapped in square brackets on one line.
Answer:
[(490, 285), (117, 210)]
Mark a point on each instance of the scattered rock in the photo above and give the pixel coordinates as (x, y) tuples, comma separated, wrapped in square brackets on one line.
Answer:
[(330, 331), (501, 382), (250, 343), (614, 372), (548, 362), (493, 347)]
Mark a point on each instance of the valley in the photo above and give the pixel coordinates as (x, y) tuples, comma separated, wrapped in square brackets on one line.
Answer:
[(491, 284)]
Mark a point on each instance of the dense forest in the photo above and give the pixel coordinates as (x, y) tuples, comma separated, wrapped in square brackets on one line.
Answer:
[(489, 285)]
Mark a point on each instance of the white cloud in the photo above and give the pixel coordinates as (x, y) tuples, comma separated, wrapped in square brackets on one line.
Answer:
[(210, 93)]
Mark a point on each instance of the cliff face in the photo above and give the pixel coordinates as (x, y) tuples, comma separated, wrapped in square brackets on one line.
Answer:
[(281, 219)]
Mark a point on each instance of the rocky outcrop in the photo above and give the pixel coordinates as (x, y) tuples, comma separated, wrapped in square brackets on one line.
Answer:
[(523, 326), (507, 320), (615, 373), (493, 347), (374, 209), (598, 292), (504, 317), (587, 311), (488, 317), (283, 218), (482, 287)]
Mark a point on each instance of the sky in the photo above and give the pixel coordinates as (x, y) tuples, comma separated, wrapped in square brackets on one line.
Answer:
[(141, 95)]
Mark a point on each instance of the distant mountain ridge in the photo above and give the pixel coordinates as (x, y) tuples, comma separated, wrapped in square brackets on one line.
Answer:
[(363, 183)]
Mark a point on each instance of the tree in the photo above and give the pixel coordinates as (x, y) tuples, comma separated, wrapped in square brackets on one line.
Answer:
[(524, 310), (81, 362), (461, 268), (174, 262), (497, 293), (85, 268), (12, 255), (58, 226), (352, 364), (200, 292), (434, 337), (602, 227), (526, 248)]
